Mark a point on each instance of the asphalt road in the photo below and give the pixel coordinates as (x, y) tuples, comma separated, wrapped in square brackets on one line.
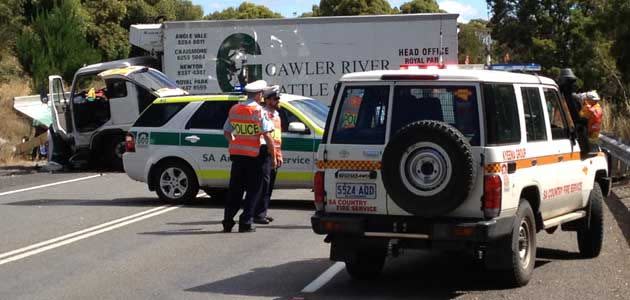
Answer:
[(107, 237)]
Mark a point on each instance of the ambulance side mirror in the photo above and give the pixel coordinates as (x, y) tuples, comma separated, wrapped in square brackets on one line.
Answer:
[(298, 127)]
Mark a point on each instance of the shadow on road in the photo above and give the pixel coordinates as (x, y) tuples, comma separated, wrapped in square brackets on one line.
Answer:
[(556, 254), (621, 214), (417, 275), (131, 202)]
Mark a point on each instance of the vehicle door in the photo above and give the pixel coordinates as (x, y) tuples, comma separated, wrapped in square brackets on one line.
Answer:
[(202, 138), (354, 149), (570, 169), (540, 163), (298, 150), (60, 108)]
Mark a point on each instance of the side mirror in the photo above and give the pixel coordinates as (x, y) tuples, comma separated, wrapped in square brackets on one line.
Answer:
[(43, 96), (298, 127)]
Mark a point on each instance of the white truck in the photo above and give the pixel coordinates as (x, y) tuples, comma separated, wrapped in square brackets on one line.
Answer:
[(305, 56)]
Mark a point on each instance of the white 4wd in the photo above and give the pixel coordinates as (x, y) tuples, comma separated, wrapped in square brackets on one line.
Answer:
[(449, 159)]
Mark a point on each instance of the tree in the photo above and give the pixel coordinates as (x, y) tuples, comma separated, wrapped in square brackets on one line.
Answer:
[(420, 6), (470, 41), (352, 7), (244, 11), (55, 44), (10, 23), (179, 10), (104, 31)]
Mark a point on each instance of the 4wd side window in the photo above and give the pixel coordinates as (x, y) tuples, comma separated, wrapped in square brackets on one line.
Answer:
[(557, 118), (534, 118), (502, 123), (362, 116), (210, 115)]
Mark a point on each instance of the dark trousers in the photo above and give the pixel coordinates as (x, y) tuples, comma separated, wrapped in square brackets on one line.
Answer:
[(263, 203), (246, 176)]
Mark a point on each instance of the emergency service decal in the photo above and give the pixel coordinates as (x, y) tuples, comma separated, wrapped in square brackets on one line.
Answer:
[(562, 190), (351, 205), (143, 139)]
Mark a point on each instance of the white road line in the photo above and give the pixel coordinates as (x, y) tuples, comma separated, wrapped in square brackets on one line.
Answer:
[(67, 236), (50, 184), (87, 235), (324, 278)]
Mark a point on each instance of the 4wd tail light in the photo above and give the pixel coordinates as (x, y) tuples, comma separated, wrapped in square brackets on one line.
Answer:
[(320, 193), (130, 143), (491, 204)]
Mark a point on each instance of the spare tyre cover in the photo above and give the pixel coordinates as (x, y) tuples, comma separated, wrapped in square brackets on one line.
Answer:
[(428, 168)]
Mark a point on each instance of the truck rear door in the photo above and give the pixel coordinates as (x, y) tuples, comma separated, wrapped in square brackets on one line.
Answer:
[(60, 107), (354, 150)]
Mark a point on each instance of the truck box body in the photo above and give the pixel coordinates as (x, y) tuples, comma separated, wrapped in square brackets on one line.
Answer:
[(305, 56)]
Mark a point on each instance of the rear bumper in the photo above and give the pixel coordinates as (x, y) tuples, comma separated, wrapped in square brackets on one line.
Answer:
[(134, 166), (424, 232)]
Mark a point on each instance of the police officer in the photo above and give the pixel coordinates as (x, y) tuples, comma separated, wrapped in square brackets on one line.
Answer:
[(272, 100), (245, 129)]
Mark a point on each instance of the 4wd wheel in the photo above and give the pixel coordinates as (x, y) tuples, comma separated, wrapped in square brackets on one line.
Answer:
[(176, 181), (590, 233), (367, 263), (428, 168), (523, 250)]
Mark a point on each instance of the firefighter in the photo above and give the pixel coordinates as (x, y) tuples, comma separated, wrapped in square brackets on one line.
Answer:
[(245, 129), (272, 100), (592, 112)]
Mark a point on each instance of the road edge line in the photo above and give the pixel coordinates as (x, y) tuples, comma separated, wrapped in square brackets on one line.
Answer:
[(49, 184)]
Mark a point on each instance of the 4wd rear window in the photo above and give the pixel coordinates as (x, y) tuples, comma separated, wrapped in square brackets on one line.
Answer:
[(157, 115), (502, 123), (211, 115), (456, 105), (362, 116)]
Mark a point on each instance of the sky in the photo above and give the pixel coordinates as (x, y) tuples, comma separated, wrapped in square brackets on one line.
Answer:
[(467, 9)]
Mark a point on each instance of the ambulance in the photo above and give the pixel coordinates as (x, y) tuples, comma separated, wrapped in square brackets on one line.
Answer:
[(177, 145)]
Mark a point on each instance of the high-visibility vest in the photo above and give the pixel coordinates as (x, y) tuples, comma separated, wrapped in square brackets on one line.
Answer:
[(276, 135), (593, 113), (246, 124)]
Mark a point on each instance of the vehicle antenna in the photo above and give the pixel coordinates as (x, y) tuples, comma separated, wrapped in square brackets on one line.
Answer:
[(441, 59)]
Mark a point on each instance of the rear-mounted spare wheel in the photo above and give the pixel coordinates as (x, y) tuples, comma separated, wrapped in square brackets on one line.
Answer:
[(428, 168)]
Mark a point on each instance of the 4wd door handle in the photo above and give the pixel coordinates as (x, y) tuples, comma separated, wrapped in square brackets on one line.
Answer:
[(192, 138)]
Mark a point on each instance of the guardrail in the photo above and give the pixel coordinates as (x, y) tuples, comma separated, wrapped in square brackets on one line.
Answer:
[(620, 156)]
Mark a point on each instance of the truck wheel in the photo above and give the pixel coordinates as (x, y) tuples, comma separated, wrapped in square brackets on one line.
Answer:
[(590, 233), (176, 182), (428, 168), (523, 250), (115, 148), (367, 263)]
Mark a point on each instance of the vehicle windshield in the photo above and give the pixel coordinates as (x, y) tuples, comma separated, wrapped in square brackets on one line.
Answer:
[(313, 109), (152, 79)]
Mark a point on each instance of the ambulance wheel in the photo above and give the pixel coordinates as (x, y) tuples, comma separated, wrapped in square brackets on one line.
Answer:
[(523, 248), (176, 182), (366, 263), (428, 168), (590, 234)]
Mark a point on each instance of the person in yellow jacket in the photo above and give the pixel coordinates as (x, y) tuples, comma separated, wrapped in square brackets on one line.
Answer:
[(248, 131), (271, 107), (592, 112)]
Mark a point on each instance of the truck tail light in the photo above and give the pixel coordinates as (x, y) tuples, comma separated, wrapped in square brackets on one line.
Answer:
[(130, 143), (320, 193), (491, 196)]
